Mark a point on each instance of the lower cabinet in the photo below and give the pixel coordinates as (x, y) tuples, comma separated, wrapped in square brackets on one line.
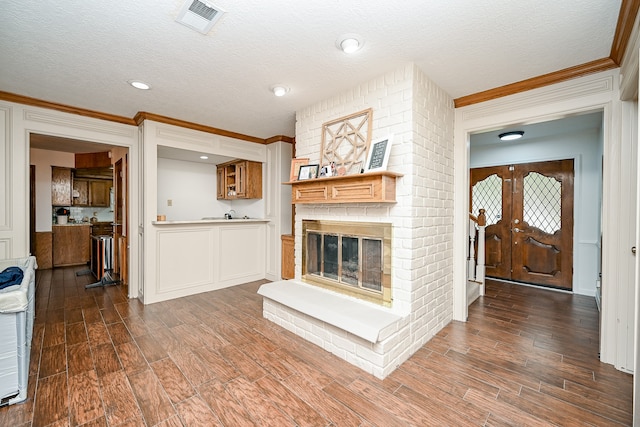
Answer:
[(288, 262), (71, 245)]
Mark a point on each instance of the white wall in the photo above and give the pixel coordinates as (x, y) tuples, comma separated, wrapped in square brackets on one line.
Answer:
[(191, 187), (585, 149)]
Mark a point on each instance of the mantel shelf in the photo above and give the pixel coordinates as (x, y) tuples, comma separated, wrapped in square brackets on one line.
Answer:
[(371, 187)]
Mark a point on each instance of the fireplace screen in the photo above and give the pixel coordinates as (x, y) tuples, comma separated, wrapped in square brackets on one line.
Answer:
[(353, 258)]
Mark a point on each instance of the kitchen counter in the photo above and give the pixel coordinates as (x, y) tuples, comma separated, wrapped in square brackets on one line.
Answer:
[(71, 224), (210, 221)]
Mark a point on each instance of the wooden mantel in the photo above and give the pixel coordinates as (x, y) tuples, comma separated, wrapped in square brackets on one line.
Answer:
[(372, 187)]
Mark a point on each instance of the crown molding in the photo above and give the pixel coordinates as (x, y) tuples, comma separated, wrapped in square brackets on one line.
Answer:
[(280, 138), (142, 116), (537, 82), (137, 119), (34, 102), (624, 28)]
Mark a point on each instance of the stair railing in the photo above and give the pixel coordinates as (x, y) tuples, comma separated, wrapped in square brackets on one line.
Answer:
[(476, 262)]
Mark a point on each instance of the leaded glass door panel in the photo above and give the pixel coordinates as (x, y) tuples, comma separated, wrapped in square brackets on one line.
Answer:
[(542, 250), (491, 190)]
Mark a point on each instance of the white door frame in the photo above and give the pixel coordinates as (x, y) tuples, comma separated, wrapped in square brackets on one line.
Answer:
[(25, 120), (590, 93)]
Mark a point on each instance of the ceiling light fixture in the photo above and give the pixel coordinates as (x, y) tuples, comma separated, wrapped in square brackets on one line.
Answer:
[(204, 157), (349, 43), (510, 136), (279, 90), (139, 85)]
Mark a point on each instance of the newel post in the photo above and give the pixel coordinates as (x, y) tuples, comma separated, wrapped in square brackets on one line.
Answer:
[(480, 269)]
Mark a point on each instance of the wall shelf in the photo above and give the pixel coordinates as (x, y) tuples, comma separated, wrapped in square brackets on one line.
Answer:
[(373, 187)]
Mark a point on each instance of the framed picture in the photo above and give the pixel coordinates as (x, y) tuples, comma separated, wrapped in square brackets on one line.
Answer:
[(295, 167), (378, 155), (308, 172)]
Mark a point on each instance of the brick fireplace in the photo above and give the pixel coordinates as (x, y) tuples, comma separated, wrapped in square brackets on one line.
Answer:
[(378, 335)]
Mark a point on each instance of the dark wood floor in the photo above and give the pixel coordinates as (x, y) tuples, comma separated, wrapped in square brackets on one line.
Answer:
[(526, 357)]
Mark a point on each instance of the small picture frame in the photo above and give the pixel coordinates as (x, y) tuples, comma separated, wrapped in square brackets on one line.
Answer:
[(308, 172), (378, 155), (295, 167)]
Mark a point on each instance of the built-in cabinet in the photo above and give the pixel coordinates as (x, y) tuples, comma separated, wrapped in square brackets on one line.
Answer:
[(69, 190), (91, 192), (373, 187), (239, 179), (93, 160), (60, 186), (71, 245), (288, 259)]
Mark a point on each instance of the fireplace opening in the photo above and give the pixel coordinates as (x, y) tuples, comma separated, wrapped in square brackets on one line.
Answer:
[(353, 258)]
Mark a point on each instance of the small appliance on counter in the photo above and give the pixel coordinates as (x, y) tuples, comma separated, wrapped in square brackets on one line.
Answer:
[(62, 216)]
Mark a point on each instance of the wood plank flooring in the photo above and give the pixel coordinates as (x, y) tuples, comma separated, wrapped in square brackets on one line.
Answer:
[(525, 357)]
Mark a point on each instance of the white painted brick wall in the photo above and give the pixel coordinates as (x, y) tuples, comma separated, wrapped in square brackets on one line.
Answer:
[(419, 115)]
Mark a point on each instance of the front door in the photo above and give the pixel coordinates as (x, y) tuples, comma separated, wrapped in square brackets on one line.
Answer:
[(529, 210)]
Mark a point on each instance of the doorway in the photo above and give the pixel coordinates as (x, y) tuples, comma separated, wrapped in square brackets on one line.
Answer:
[(108, 209), (529, 210)]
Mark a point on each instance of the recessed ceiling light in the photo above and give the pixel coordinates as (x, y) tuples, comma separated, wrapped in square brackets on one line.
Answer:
[(279, 90), (139, 85), (204, 157), (510, 136), (349, 43)]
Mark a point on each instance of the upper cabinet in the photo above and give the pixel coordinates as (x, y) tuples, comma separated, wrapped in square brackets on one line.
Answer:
[(93, 160), (91, 192), (239, 179), (83, 186), (99, 193), (60, 186), (92, 179)]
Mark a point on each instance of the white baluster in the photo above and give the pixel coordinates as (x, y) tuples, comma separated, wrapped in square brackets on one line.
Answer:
[(471, 259)]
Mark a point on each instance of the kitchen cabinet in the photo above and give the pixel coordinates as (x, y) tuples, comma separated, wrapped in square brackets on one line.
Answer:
[(93, 160), (93, 193), (239, 179), (71, 245), (80, 192), (60, 186), (99, 193), (220, 184)]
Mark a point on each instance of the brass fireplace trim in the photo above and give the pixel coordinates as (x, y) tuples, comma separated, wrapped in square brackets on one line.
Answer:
[(375, 230)]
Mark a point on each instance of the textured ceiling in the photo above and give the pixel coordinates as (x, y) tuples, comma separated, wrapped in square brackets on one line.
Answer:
[(81, 53)]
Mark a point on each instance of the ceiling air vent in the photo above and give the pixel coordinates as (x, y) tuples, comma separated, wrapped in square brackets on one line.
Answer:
[(200, 16)]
